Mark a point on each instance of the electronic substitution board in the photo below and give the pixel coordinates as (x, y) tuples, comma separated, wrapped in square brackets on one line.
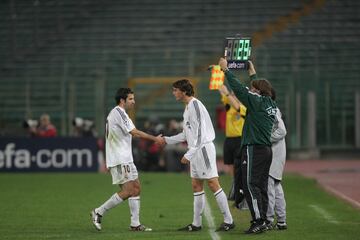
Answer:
[(237, 52)]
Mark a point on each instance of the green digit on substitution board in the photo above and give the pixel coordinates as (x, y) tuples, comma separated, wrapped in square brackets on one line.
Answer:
[(240, 50), (246, 49)]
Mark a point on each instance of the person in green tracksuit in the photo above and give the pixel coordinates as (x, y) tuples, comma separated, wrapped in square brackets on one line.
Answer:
[(256, 153)]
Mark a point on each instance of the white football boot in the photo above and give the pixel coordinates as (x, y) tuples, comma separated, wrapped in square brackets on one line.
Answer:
[(96, 219)]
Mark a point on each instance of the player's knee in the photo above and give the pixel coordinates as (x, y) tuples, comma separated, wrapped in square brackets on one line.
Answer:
[(197, 187), (214, 185), (135, 190), (125, 194)]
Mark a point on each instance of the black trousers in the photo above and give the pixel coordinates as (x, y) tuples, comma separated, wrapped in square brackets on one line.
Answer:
[(238, 179), (255, 165)]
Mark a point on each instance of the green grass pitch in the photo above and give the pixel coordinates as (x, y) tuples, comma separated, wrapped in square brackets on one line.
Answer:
[(57, 206)]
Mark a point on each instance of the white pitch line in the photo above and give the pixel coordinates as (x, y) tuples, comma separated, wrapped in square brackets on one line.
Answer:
[(324, 213), (210, 220)]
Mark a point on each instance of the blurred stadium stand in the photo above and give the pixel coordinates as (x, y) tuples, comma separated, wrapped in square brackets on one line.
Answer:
[(67, 58)]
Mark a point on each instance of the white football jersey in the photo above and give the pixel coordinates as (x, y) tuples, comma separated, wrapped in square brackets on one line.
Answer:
[(118, 137), (197, 129)]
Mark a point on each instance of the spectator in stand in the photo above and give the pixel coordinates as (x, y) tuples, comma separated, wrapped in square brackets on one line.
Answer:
[(45, 128)]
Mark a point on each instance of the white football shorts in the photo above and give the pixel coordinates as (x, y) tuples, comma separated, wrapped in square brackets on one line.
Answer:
[(123, 173), (203, 165)]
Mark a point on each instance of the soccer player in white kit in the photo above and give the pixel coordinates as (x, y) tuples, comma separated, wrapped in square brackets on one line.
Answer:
[(199, 134), (119, 160)]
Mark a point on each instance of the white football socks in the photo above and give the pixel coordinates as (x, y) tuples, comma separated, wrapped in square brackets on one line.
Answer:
[(112, 202), (134, 205), (199, 205), (223, 205)]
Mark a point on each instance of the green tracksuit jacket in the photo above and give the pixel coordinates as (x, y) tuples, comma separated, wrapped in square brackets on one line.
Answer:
[(260, 112)]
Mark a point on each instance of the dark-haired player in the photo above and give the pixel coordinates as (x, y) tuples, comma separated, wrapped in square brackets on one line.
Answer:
[(119, 160), (199, 134)]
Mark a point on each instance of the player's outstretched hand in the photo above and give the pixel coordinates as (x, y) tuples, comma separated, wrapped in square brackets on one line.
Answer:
[(223, 64), (160, 140)]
